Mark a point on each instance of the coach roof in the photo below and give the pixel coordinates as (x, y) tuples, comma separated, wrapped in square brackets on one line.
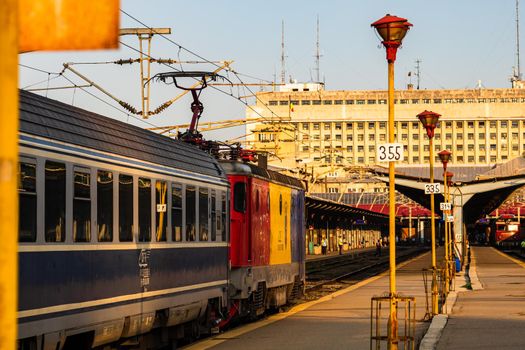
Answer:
[(44, 117)]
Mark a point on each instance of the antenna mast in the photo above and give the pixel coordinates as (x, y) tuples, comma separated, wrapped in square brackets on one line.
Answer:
[(283, 72), (317, 55), (518, 73), (418, 71)]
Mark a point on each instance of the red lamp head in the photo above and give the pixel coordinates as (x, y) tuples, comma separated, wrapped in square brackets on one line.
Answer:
[(449, 175), (429, 120), (444, 156), (392, 30)]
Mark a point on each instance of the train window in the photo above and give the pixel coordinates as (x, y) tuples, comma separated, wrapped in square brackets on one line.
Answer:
[(203, 214), (176, 212), (223, 215), (104, 206), (161, 195), (239, 197), (27, 199), (190, 213), (55, 201), (144, 210), (213, 216), (125, 208), (82, 206)]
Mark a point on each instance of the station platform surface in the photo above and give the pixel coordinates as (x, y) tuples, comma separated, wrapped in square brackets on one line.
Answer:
[(492, 317), (337, 321)]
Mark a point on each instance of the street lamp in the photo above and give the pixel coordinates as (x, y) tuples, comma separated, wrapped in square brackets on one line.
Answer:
[(444, 156), (429, 120), (392, 30)]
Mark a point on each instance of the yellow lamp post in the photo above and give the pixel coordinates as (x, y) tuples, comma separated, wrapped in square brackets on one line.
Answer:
[(444, 156), (392, 30), (448, 176), (429, 120)]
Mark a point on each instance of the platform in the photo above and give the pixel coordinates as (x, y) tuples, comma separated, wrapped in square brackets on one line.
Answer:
[(338, 321), (492, 317)]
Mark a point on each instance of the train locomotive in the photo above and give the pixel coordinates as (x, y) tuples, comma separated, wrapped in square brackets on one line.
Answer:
[(129, 238)]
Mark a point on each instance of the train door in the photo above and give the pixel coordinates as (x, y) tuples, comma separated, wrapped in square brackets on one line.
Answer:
[(239, 224)]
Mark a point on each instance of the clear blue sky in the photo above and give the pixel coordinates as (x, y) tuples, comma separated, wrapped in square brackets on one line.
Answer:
[(459, 43)]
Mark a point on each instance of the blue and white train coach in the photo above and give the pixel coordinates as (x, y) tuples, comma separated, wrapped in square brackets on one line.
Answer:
[(122, 231)]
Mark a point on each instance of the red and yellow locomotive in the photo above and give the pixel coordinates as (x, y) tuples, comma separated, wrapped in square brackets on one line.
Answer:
[(267, 248)]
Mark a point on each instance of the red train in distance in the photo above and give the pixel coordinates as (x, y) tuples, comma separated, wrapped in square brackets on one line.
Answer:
[(508, 230)]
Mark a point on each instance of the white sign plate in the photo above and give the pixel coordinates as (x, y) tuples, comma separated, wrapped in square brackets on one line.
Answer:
[(432, 188), (390, 152), (161, 208), (445, 206), (450, 218)]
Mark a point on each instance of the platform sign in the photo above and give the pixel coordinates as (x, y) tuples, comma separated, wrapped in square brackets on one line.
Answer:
[(445, 206), (161, 208), (390, 152), (432, 188)]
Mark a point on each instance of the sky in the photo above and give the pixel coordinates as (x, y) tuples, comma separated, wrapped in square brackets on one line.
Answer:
[(459, 43)]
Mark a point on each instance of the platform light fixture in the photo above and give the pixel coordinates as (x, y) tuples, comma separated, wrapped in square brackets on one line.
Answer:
[(392, 30), (429, 120)]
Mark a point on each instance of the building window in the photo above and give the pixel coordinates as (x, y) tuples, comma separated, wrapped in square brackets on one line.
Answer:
[(306, 137), (371, 148), (481, 124), (360, 148), (470, 125), (482, 147), (459, 125), (415, 148), (360, 102), (27, 201), (459, 147), (493, 159), (415, 136), (338, 126), (283, 103), (415, 159), (382, 102), (305, 102), (316, 102), (448, 125), (360, 137), (415, 101), (371, 126), (382, 125), (371, 102), (426, 148), (514, 124), (503, 124), (470, 136), (338, 137), (317, 136), (481, 136), (471, 159), (338, 102), (327, 137), (273, 103), (404, 137), (371, 137), (503, 135), (349, 148), (492, 135), (349, 126), (360, 160), (493, 124), (470, 147), (349, 137), (493, 147), (382, 137), (316, 126), (305, 148), (448, 136), (306, 126), (437, 136), (333, 190), (437, 100), (404, 101), (327, 102), (327, 126), (349, 102), (55, 202), (360, 126), (459, 136)]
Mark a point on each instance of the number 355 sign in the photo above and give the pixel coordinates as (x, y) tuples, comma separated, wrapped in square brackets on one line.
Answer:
[(390, 152)]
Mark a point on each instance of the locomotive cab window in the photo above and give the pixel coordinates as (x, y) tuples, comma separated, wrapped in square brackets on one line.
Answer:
[(213, 216), (55, 201), (144, 210), (125, 208), (82, 205), (27, 200), (176, 212), (239, 197), (161, 195), (104, 206)]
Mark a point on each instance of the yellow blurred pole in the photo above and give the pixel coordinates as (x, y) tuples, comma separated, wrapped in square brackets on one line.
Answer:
[(445, 214), (433, 233), (393, 331), (8, 172)]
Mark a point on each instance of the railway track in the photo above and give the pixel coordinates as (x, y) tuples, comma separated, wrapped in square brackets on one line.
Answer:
[(329, 275)]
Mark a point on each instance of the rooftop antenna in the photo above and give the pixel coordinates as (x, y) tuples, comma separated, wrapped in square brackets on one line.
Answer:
[(283, 72), (317, 55), (418, 71), (516, 76)]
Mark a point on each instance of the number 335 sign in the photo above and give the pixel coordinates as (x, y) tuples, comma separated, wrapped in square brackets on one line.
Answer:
[(390, 152)]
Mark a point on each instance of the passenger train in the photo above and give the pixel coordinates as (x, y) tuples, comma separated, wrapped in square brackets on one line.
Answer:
[(127, 237)]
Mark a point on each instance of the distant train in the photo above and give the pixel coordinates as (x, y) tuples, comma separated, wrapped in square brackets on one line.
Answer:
[(128, 238), (508, 231)]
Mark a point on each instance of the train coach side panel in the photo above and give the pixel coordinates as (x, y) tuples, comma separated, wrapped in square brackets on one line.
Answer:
[(239, 209), (259, 222), (280, 208)]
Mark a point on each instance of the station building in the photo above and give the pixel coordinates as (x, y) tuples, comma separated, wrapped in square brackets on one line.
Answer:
[(333, 135)]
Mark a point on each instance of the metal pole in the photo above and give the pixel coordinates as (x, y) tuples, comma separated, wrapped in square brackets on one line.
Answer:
[(445, 214), (393, 331), (8, 172), (433, 233)]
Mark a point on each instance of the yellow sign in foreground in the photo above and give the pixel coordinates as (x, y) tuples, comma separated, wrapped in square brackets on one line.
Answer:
[(68, 24), (30, 25)]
